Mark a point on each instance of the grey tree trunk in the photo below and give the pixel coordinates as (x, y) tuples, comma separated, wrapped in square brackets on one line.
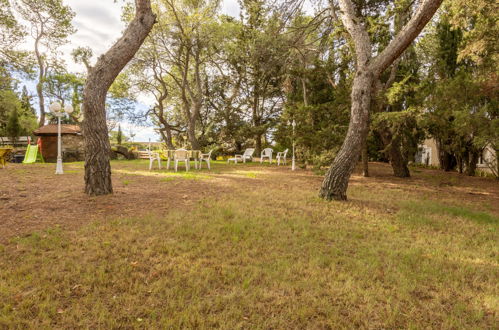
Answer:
[(100, 77), (39, 85), (335, 182)]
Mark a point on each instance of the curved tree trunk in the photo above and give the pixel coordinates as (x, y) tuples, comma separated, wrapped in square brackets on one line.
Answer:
[(335, 182), (39, 85), (100, 77)]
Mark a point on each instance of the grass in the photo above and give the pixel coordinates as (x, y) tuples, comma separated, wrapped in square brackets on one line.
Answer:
[(266, 257)]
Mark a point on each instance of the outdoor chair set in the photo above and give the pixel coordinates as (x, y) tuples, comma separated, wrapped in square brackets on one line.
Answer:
[(185, 156), (177, 156), (266, 154)]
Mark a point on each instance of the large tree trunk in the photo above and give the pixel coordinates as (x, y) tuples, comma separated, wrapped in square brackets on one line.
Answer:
[(191, 133), (100, 77), (335, 182)]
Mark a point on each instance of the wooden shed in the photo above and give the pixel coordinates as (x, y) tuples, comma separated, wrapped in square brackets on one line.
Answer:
[(72, 142)]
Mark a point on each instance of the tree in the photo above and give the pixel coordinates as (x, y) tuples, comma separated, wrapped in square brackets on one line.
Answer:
[(13, 125), (119, 135), (99, 80), (50, 25), (368, 69)]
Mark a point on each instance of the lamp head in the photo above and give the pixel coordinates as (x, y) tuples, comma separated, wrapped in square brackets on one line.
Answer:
[(55, 108), (68, 109)]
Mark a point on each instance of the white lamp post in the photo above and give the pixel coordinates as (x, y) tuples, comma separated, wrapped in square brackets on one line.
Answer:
[(58, 111), (293, 124)]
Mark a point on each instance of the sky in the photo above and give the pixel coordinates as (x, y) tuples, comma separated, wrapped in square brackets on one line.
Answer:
[(99, 25)]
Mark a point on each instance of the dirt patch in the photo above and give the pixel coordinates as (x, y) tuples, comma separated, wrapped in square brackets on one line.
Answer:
[(33, 198)]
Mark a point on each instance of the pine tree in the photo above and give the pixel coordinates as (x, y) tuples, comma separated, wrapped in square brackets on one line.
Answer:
[(13, 125), (119, 136)]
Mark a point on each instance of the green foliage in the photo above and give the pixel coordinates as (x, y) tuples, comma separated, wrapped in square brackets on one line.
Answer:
[(404, 128), (17, 116), (13, 128), (119, 135)]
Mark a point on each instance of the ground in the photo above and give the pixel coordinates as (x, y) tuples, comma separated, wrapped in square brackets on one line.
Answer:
[(247, 246)]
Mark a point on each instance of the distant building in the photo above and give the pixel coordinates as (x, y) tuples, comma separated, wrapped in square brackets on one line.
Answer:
[(72, 142), (428, 155)]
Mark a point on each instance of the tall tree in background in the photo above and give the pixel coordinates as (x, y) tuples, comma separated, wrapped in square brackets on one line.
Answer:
[(99, 80), (11, 34), (49, 25), (368, 69)]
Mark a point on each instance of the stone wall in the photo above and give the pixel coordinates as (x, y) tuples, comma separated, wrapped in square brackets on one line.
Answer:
[(72, 147)]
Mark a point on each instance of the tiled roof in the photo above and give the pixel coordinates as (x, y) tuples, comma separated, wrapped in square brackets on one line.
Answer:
[(52, 129)]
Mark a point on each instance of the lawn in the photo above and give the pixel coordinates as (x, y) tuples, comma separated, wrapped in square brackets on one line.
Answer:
[(247, 246)]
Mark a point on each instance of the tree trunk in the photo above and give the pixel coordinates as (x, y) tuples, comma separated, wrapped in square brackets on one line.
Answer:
[(398, 161), (39, 85), (472, 161), (444, 158), (368, 69), (258, 144), (166, 135), (191, 133), (168, 138), (100, 77), (335, 182)]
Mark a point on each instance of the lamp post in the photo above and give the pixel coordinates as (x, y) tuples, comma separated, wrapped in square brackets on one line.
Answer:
[(58, 111), (293, 124)]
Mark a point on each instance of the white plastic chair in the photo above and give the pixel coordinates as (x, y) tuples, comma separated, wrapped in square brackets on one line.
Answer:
[(182, 155), (206, 158), (266, 153), (248, 154), (282, 156), (153, 156)]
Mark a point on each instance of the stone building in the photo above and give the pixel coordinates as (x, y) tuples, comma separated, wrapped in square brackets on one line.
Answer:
[(72, 142), (428, 155)]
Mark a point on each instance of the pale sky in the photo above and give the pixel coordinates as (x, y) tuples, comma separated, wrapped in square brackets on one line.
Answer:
[(99, 26)]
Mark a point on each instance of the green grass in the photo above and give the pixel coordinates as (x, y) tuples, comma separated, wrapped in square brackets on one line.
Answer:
[(430, 211), (262, 257)]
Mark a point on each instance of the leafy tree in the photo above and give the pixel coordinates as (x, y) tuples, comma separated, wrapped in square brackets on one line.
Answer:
[(49, 23), (99, 80), (119, 135), (368, 69), (13, 125)]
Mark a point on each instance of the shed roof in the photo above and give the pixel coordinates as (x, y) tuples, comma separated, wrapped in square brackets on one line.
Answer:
[(52, 129)]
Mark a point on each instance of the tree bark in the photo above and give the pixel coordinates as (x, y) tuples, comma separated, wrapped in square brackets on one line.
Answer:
[(472, 161), (191, 133), (398, 161), (100, 77), (41, 77), (335, 182)]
